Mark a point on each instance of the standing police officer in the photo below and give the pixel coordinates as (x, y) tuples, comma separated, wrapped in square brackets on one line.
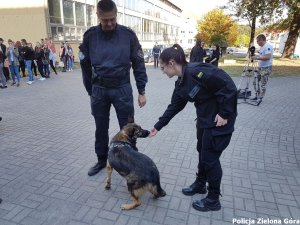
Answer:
[(156, 52), (198, 52), (215, 98), (106, 55)]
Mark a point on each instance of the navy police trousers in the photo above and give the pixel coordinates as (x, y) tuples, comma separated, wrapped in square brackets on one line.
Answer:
[(210, 148), (101, 100)]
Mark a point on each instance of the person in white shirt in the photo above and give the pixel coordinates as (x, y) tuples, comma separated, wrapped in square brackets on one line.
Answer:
[(265, 61)]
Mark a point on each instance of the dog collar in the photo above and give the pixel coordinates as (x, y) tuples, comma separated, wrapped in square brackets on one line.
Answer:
[(119, 144)]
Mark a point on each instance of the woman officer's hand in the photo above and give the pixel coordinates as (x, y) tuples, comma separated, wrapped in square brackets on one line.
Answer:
[(220, 121), (153, 132)]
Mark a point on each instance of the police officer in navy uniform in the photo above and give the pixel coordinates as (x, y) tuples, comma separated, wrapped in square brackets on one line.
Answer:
[(198, 53), (106, 55), (214, 95), (156, 51)]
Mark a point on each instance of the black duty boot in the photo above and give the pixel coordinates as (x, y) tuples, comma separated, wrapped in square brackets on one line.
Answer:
[(199, 186), (210, 203), (207, 204), (97, 167)]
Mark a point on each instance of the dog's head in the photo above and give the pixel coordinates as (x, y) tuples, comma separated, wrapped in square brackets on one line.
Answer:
[(134, 131), (130, 132)]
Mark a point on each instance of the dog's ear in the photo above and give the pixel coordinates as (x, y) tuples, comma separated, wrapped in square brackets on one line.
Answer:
[(130, 119)]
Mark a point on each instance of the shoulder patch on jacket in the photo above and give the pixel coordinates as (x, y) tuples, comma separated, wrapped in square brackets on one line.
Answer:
[(140, 53)]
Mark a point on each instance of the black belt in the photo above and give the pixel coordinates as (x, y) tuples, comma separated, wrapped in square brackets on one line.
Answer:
[(111, 82)]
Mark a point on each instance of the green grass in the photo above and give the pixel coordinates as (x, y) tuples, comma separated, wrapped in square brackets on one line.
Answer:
[(281, 67)]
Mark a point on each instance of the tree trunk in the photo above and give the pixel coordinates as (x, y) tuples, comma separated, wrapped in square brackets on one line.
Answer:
[(293, 35), (252, 34)]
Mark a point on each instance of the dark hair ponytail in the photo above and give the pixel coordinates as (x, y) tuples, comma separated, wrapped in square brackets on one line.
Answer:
[(175, 52)]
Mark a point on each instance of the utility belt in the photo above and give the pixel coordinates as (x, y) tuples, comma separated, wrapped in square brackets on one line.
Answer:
[(111, 82)]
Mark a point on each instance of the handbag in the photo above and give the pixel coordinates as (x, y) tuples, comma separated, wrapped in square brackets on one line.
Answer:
[(61, 64)]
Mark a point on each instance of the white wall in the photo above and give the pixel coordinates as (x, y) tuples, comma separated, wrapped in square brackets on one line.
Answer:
[(188, 31)]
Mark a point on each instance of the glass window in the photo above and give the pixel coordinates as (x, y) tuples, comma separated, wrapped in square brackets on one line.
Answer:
[(54, 33), (54, 11), (80, 32), (120, 18), (67, 33), (60, 33), (89, 15), (119, 2), (73, 33), (146, 26), (68, 12), (79, 12)]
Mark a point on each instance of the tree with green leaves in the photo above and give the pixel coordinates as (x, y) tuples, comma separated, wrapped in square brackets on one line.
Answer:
[(252, 10), (294, 26), (217, 28), (269, 10)]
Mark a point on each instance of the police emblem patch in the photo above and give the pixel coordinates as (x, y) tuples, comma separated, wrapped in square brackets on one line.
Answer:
[(81, 56), (140, 53)]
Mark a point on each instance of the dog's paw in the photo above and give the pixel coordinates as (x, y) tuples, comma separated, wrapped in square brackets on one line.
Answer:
[(126, 206), (131, 205), (107, 187)]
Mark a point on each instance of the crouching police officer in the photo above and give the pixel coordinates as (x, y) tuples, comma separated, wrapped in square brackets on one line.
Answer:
[(215, 98), (106, 55)]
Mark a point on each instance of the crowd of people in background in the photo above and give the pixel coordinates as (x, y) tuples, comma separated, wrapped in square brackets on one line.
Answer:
[(198, 53), (20, 56)]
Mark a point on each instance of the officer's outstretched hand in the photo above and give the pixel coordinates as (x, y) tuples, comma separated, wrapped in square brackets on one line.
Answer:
[(142, 100), (220, 121), (153, 132)]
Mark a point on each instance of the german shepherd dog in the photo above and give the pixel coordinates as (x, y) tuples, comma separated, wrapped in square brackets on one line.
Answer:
[(138, 169)]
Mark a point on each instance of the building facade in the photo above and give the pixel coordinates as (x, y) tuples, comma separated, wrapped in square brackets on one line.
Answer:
[(279, 43), (188, 33), (67, 20), (153, 21)]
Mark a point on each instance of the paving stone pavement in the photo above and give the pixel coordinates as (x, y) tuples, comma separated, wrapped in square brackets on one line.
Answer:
[(46, 148)]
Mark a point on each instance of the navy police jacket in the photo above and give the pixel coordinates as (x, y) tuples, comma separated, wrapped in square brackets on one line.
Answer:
[(106, 58), (212, 91)]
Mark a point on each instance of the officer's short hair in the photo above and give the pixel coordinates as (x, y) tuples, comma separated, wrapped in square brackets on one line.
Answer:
[(107, 6), (261, 37)]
